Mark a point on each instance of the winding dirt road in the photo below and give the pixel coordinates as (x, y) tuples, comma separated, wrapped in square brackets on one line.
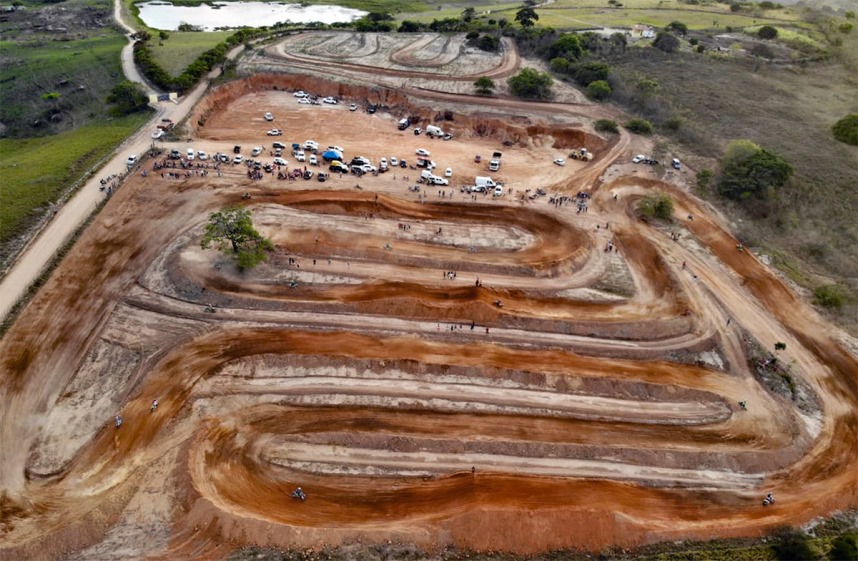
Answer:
[(597, 405)]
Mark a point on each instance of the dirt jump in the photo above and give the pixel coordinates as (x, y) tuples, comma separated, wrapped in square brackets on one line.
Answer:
[(524, 370)]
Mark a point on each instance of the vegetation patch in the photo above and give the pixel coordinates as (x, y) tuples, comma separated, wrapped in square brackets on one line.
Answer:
[(181, 48), (35, 171)]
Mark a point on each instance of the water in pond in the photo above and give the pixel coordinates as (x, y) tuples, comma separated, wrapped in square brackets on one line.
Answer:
[(166, 16)]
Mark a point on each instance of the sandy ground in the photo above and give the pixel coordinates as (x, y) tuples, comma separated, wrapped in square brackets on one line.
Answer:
[(597, 406)]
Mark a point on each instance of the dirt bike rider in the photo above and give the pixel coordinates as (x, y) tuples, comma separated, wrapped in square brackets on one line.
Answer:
[(118, 421), (154, 406)]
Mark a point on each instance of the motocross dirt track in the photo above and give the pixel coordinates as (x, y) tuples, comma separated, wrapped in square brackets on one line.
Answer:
[(597, 406)]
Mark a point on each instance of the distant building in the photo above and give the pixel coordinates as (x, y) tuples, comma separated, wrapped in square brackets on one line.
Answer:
[(643, 31)]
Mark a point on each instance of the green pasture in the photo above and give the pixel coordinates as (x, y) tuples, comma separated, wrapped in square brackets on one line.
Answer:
[(182, 48), (36, 170)]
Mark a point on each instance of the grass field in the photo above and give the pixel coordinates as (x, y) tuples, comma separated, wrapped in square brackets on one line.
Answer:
[(31, 69), (36, 170), (183, 47)]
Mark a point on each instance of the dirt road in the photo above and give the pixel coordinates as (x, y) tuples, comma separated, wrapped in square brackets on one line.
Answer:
[(522, 372)]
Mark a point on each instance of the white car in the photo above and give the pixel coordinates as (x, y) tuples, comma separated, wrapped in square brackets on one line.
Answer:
[(202, 155), (638, 159), (269, 117), (300, 93), (238, 159), (560, 161), (256, 151), (280, 162), (157, 134), (304, 101), (300, 157), (191, 154), (313, 160), (422, 152), (353, 107), (382, 163), (435, 180), (275, 132), (311, 145), (366, 168), (339, 149), (449, 172), (394, 161), (132, 159), (330, 100)]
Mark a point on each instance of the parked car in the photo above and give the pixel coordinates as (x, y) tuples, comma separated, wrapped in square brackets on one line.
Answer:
[(418, 131), (202, 155), (403, 164), (224, 158), (311, 145), (330, 100), (364, 168), (158, 134), (339, 149), (132, 159), (435, 180), (313, 160), (393, 161), (448, 136), (256, 151), (280, 162), (638, 159), (352, 107), (275, 132), (371, 109), (448, 172), (308, 174), (676, 163), (278, 145), (238, 159), (338, 167), (382, 164), (422, 152), (560, 161), (305, 101), (300, 157), (269, 117), (300, 93), (322, 177)]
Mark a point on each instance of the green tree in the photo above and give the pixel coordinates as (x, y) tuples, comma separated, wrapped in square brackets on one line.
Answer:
[(488, 43), (599, 90), (767, 32), (590, 72), (408, 26), (844, 548), (666, 42), (780, 346), (792, 545), (657, 206), (846, 129), (567, 46), (677, 27), (850, 15), (484, 85), (559, 65), (640, 126), (606, 125), (232, 228), (526, 16), (647, 88), (468, 14), (163, 35), (531, 84), (704, 178), (127, 97), (751, 171)]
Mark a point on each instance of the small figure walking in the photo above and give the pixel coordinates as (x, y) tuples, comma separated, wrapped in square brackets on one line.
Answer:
[(154, 406)]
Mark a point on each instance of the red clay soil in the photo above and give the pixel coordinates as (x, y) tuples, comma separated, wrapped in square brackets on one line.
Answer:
[(376, 383)]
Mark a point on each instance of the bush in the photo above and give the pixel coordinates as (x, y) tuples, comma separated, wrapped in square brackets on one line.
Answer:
[(666, 42), (792, 545), (559, 65), (590, 72), (828, 296), (639, 126), (599, 90), (704, 178), (846, 129), (751, 171), (844, 548), (657, 206), (607, 125), (567, 46), (127, 97), (767, 32), (531, 84)]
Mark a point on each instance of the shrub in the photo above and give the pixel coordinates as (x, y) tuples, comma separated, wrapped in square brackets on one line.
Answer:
[(828, 296), (844, 548), (657, 206), (751, 171), (599, 90), (704, 178), (590, 72), (791, 545), (559, 65), (531, 84), (568, 46), (666, 42), (639, 126), (767, 32), (677, 27), (846, 129), (607, 125)]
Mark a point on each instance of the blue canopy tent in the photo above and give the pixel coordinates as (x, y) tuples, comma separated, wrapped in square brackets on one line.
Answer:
[(330, 155)]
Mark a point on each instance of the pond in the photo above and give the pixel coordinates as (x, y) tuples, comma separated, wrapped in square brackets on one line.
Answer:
[(166, 16)]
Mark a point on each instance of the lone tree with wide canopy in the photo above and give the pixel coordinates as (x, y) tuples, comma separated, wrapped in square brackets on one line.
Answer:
[(231, 228)]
